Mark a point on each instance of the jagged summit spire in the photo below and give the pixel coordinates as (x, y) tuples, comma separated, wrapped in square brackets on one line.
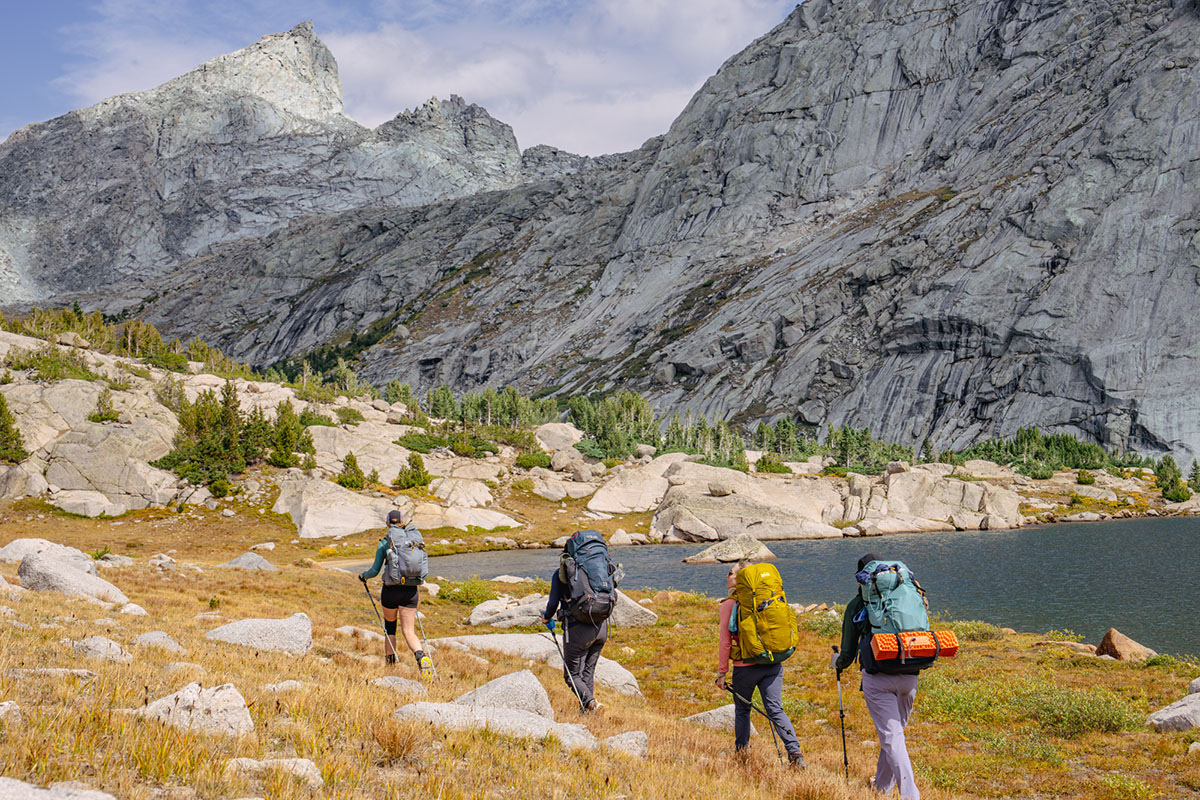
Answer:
[(293, 71)]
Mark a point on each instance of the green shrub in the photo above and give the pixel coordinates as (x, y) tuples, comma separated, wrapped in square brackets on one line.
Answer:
[(590, 448), (833, 469), (1064, 635), (12, 446), (173, 362), (413, 475), (823, 624), (309, 418), (6, 378), (348, 416), (973, 630), (421, 442), (1176, 492), (1037, 470), (52, 364), (773, 462), (219, 488), (104, 411), (373, 478), (1070, 713), (1085, 478), (309, 463), (351, 476), (470, 592), (531, 460)]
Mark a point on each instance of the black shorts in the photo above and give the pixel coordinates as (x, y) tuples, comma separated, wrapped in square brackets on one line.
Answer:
[(398, 596)]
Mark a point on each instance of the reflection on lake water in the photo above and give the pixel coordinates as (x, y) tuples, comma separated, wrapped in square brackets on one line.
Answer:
[(1133, 575)]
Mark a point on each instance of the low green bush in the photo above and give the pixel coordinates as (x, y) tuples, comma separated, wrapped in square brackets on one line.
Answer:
[(51, 363), (772, 462), (421, 442), (308, 418), (1037, 470), (104, 411), (348, 416), (590, 448), (1070, 713), (1085, 478), (823, 624), (1177, 492), (973, 630), (531, 460), (470, 592)]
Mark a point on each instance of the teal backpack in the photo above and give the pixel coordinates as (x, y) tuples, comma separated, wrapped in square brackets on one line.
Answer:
[(894, 603)]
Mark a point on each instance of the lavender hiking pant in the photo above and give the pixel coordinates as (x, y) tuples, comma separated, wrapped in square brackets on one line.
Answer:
[(890, 701)]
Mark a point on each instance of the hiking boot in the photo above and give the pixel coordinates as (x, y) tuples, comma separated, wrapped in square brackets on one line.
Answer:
[(425, 664), (594, 706), (796, 760), (390, 658)]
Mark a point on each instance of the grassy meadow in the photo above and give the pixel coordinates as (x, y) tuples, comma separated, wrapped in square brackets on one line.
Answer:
[(1004, 719)]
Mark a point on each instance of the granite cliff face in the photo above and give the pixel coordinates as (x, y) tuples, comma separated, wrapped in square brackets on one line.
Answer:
[(949, 221), (106, 201)]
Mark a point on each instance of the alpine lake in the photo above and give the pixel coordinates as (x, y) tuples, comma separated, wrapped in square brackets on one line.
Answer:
[(1133, 575)]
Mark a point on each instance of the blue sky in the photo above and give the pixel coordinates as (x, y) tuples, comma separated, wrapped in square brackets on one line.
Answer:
[(589, 77)]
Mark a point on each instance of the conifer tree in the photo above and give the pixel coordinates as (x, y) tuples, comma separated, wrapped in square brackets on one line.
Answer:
[(12, 446), (351, 476)]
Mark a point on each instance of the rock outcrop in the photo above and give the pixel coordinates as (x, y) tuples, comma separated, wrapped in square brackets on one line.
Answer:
[(41, 572), (506, 721), (292, 635), (538, 647), (1122, 648), (742, 546), (519, 690), (221, 710)]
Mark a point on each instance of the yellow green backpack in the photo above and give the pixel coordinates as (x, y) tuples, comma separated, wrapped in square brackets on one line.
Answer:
[(762, 620)]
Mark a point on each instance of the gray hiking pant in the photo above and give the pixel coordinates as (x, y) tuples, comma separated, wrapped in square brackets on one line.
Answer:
[(582, 643), (890, 701), (768, 678)]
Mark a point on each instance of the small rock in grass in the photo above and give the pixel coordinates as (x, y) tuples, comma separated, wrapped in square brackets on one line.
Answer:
[(301, 768), (160, 639), (101, 648), (635, 743)]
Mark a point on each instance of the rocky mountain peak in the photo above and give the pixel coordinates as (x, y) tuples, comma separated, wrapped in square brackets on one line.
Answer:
[(293, 71), (454, 126)]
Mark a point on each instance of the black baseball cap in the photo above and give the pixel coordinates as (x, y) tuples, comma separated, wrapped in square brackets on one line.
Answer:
[(395, 517)]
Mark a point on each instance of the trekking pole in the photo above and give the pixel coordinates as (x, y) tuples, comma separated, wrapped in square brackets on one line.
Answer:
[(842, 713), (387, 642), (566, 671), (425, 644), (770, 721)]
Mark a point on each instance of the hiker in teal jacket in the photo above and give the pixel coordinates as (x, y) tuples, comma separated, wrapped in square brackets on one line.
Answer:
[(889, 698), (398, 600)]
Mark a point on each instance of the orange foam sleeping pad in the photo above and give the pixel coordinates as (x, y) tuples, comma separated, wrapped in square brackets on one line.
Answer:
[(916, 644)]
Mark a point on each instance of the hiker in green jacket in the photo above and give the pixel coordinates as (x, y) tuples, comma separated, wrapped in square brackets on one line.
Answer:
[(889, 698), (399, 598)]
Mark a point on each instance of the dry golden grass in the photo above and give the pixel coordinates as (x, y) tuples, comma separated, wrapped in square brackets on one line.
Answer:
[(981, 728)]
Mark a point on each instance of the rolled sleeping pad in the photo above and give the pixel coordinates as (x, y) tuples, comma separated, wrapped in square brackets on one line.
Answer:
[(914, 644)]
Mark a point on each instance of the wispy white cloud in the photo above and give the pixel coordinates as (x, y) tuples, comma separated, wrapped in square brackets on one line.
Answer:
[(590, 77)]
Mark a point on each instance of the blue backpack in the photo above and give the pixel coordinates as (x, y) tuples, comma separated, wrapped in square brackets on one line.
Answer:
[(893, 602), (588, 577)]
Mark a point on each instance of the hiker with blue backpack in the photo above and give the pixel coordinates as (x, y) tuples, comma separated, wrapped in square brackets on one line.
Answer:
[(583, 594), (402, 559), (757, 633), (890, 601)]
